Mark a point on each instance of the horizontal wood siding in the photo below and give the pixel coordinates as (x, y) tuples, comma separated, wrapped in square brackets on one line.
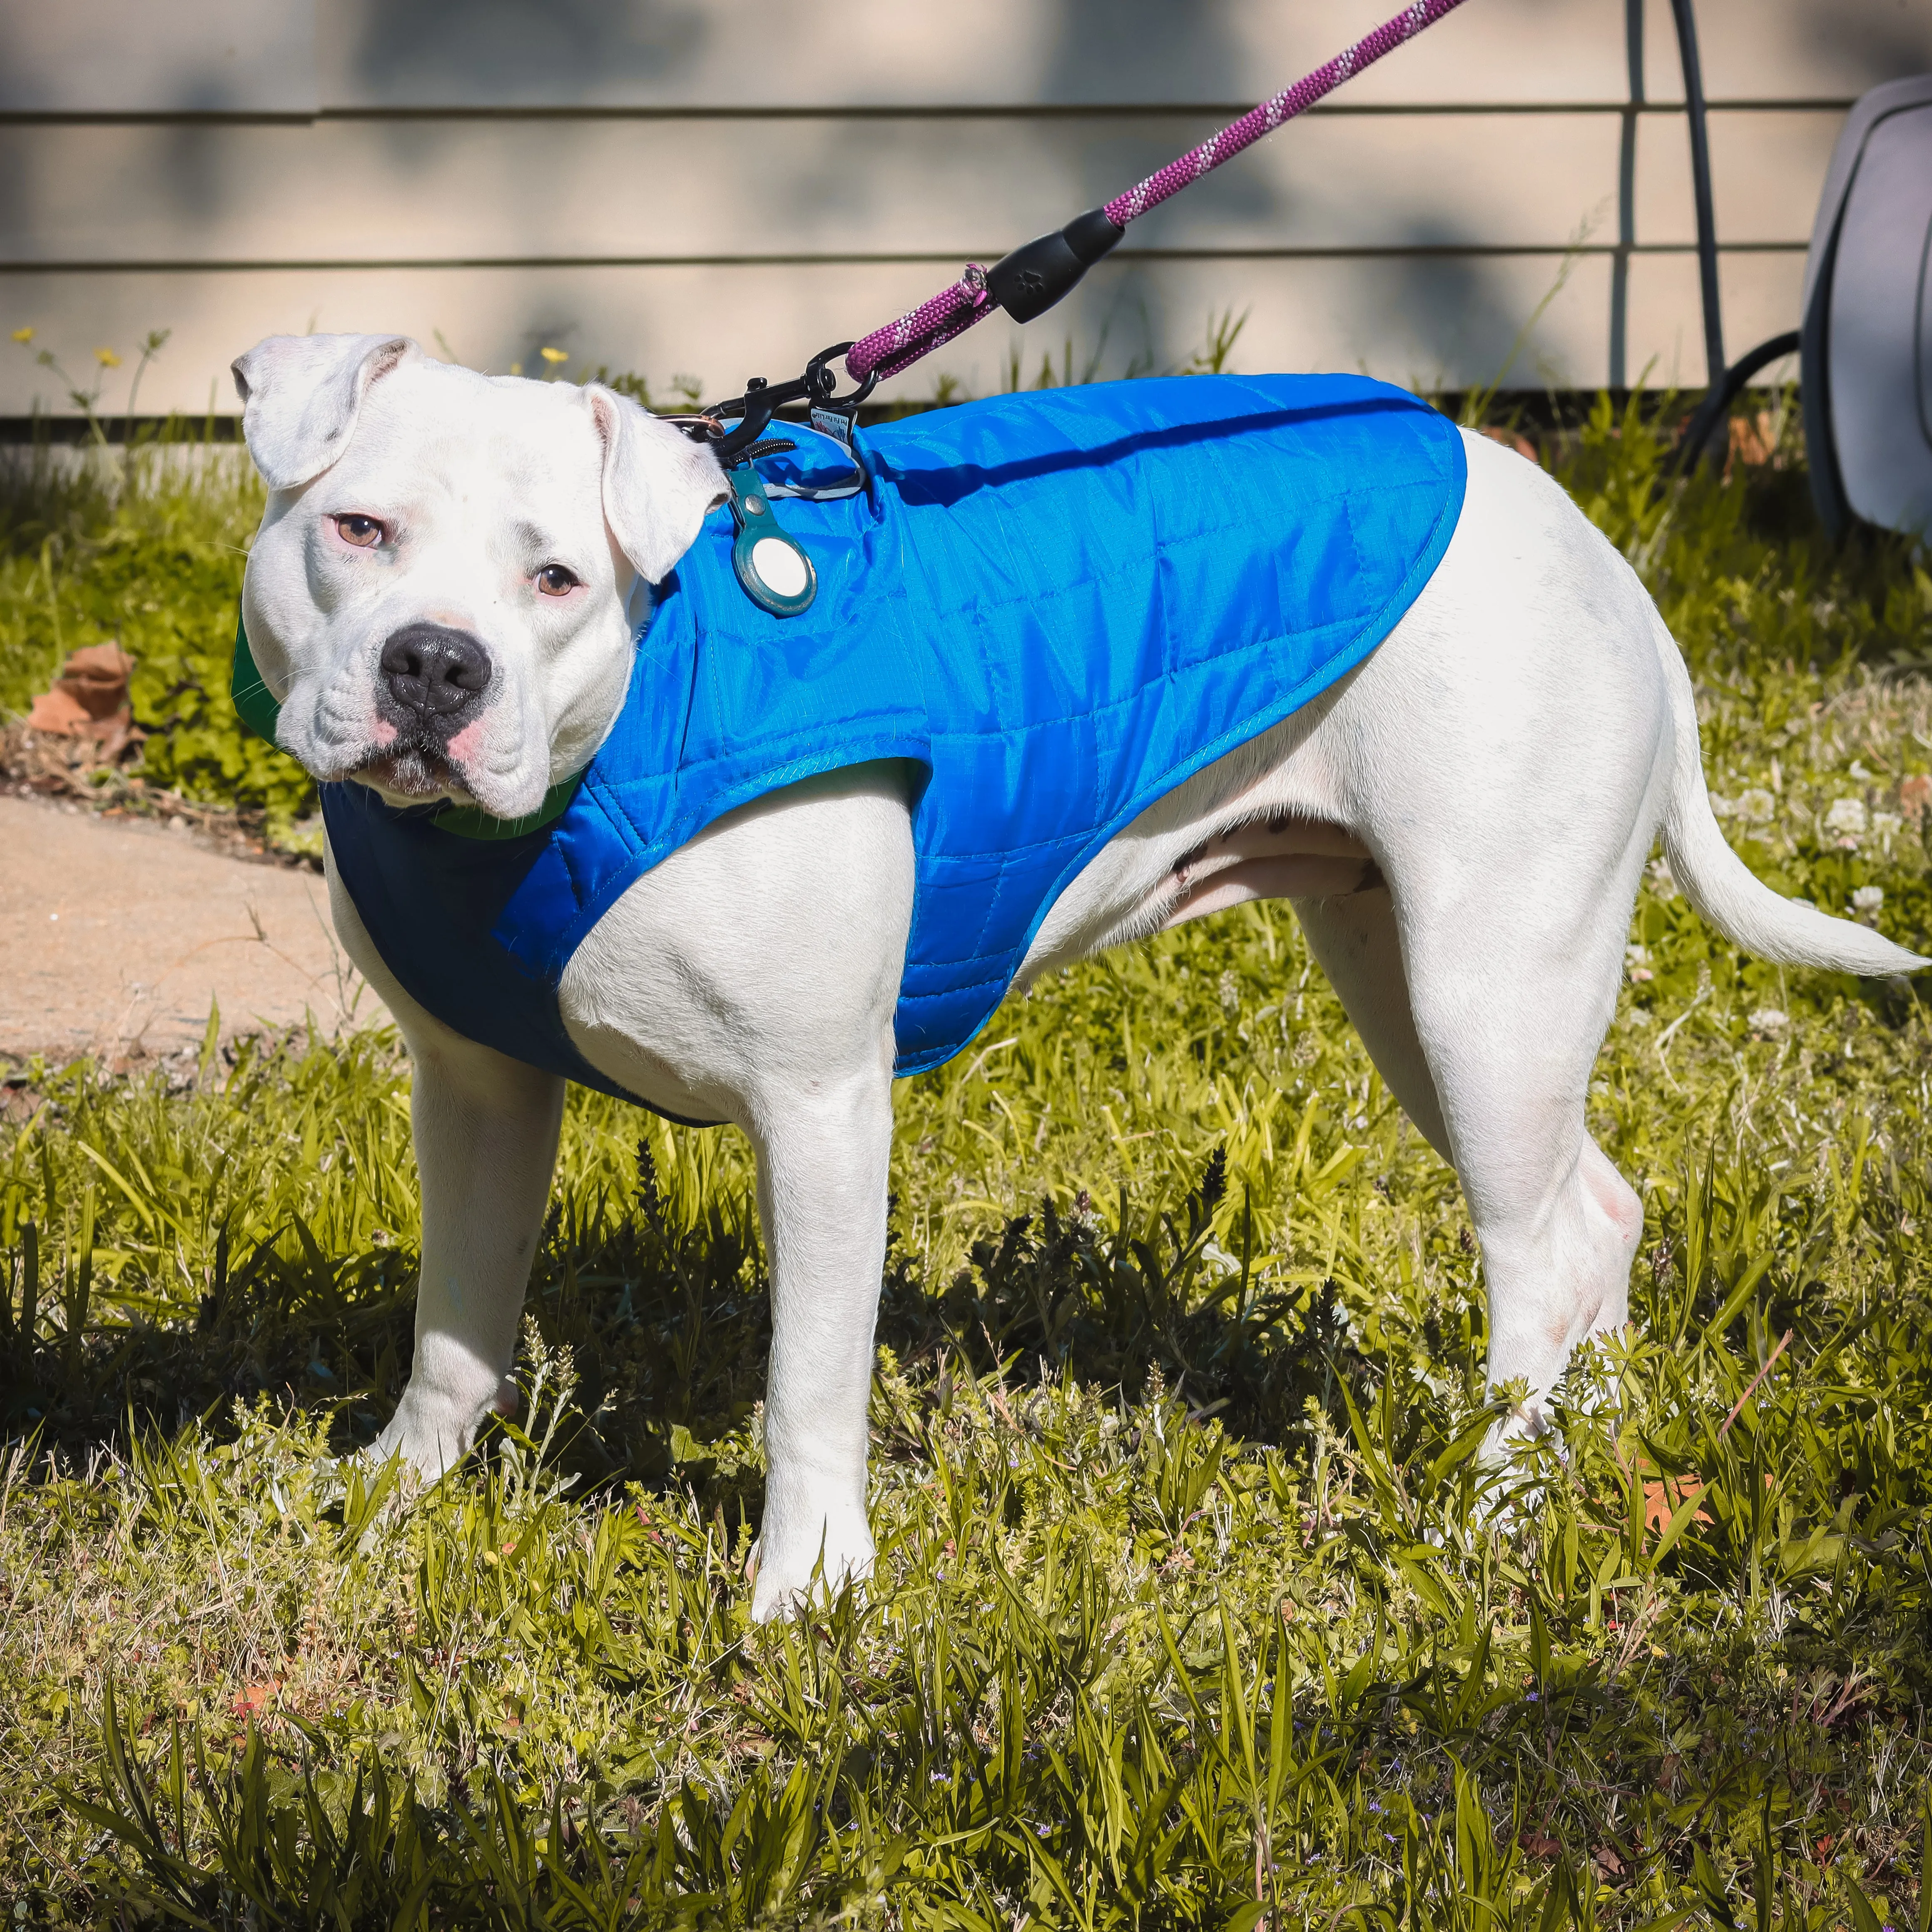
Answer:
[(719, 189)]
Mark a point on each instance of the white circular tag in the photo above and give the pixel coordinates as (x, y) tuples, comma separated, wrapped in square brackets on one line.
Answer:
[(780, 568)]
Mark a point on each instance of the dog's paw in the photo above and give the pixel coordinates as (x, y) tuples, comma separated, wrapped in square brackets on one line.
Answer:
[(433, 1433), (791, 1571)]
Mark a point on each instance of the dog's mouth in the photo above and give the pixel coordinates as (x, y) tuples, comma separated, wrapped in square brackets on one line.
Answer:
[(413, 774)]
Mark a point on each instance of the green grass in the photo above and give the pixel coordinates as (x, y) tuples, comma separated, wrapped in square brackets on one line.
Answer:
[(1193, 1606), (147, 548)]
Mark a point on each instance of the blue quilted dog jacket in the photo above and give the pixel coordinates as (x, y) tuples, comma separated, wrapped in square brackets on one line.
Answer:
[(1056, 605)]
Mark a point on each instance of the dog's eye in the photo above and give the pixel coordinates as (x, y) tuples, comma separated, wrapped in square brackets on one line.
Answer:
[(553, 581), (361, 531)]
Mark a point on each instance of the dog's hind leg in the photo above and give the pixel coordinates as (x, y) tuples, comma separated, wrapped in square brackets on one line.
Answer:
[(1509, 1014), (1507, 756), (1355, 942), (1582, 1285)]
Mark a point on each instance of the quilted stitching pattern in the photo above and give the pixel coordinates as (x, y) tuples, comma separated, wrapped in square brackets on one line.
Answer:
[(1061, 604)]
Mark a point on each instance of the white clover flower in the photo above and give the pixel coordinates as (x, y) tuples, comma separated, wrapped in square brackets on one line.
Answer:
[(1768, 1019), (1720, 806), (1859, 772), (1887, 824), (1847, 815), (1868, 898), (1757, 806), (1662, 883)]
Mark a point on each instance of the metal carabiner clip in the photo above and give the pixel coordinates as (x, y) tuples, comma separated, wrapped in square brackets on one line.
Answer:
[(762, 400), (771, 566)]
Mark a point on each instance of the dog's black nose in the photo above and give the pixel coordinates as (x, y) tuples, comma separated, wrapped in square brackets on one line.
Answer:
[(435, 672)]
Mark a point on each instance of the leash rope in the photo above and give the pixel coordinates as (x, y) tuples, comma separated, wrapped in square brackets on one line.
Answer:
[(979, 292)]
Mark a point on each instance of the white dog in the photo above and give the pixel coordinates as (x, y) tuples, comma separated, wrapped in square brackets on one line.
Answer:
[(1460, 823)]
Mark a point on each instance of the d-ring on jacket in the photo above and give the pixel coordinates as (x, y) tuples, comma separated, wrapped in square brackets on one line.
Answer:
[(1057, 605)]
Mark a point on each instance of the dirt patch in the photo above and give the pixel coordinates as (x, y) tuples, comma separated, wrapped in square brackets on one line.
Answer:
[(118, 934), (45, 764)]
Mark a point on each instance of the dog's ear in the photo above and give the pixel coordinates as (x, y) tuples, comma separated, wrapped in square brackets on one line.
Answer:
[(300, 395), (658, 483)]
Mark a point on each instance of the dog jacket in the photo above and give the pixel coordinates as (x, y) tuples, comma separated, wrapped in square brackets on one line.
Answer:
[(1057, 606)]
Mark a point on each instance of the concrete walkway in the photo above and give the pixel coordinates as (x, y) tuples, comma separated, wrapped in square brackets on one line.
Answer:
[(116, 934)]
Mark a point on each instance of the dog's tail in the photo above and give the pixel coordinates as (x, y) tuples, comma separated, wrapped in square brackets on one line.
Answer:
[(1725, 890)]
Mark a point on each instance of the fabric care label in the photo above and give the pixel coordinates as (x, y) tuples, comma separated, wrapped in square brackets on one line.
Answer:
[(834, 423)]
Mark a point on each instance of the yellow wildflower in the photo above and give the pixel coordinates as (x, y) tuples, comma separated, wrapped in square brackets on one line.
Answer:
[(554, 354), (107, 358), (24, 334), (516, 368)]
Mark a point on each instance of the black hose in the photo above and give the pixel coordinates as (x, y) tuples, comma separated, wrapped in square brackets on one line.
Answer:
[(1716, 407), (1682, 13)]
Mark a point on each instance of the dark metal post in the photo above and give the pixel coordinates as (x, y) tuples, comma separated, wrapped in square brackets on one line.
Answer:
[(1686, 20), (1620, 261)]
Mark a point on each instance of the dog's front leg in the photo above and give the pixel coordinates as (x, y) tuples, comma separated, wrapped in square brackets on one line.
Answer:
[(823, 1154), (754, 976), (486, 1130), (486, 1133)]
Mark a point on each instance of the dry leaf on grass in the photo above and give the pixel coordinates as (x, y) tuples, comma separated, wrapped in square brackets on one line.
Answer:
[(254, 1699), (1660, 1505)]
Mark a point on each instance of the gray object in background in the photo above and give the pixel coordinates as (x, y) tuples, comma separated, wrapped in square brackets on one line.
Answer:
[(1867, 334)]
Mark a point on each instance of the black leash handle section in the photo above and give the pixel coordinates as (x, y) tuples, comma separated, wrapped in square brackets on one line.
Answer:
[(1025, 283), (1040, 273)]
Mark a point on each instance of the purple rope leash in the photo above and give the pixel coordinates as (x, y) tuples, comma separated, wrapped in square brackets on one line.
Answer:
[(1270, 114), (920, 331), (954, 310)]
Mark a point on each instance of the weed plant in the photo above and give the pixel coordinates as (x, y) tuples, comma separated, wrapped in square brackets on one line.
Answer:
[(1194, 1606)]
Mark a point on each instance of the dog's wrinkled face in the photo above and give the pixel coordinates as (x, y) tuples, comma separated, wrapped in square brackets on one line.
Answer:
[(452, 569)]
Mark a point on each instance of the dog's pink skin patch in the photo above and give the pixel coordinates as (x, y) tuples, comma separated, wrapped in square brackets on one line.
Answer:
[(1272, 859), (381, 732), (467, 743)]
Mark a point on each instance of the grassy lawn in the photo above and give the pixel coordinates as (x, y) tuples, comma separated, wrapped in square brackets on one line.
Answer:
[(1194, 1607)]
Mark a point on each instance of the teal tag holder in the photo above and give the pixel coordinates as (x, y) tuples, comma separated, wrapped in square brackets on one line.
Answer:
[(771, 566)]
